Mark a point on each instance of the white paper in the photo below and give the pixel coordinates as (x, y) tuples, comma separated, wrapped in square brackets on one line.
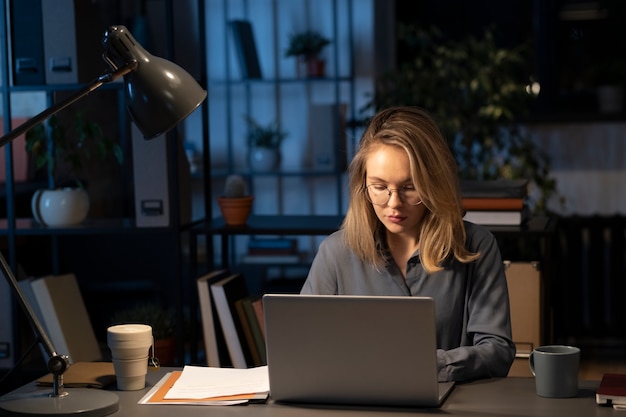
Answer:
[(198, 382), (146, 398)]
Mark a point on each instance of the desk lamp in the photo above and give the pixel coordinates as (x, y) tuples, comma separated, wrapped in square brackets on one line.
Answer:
[(160, 94)]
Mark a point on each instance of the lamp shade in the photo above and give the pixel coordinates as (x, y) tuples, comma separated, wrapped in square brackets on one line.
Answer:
[(160, 93)]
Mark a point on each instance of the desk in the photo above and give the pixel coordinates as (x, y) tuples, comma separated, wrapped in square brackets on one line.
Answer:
[(494, 397)]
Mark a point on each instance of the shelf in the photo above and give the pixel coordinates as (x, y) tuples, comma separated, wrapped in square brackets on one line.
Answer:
[(278, 173), (294, 80), (324, 225), (279, 225), (30, 227), (60, 87)]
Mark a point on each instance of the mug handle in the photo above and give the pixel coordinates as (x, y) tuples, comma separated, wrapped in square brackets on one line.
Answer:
[(531, 362)]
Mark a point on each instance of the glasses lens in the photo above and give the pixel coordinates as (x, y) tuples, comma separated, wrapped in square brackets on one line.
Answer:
[(410, 196), (377, 194)]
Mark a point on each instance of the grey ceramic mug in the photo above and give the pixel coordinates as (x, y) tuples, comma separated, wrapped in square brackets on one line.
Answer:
[(556, 370)]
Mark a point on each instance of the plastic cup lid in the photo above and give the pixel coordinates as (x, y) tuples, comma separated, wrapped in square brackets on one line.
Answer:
[(122, 332)]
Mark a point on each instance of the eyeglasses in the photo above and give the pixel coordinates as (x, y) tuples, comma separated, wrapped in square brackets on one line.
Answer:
[(380, 194)]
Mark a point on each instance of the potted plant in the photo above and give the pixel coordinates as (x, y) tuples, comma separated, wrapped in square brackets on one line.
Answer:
[(64, 153), (235, 203), (306, 47), (477, 92), (264, 145), (607, 78), (163, 325)]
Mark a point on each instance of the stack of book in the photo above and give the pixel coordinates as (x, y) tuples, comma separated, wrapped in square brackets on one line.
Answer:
[(232, 321), (272, 250), (495, 203)]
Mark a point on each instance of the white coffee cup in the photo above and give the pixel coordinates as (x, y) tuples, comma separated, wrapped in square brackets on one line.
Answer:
[(130, 345)]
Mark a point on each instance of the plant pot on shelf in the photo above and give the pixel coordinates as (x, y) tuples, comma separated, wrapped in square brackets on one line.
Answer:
[(165, 351), (235, 210), (264, 159), (610, 99), (310, 66), (60, 207)]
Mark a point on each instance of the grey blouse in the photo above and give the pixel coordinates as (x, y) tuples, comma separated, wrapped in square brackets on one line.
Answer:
[(471, 300)]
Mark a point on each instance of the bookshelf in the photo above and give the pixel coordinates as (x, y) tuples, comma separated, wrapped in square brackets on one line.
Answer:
[(98, 250)]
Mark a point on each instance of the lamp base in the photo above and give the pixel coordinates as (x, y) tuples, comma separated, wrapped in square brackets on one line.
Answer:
[(85, 402)]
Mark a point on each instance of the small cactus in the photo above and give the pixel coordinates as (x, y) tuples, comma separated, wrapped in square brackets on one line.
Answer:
[(235, 187)]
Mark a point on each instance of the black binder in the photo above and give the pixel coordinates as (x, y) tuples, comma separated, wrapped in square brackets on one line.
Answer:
[(27, 57), (245, 48)]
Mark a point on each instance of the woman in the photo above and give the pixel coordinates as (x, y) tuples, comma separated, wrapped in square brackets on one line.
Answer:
[(404, 235)]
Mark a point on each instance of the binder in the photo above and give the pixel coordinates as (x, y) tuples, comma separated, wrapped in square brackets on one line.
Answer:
[(59, 306), (245, 48), (27, 54), (72, 36)]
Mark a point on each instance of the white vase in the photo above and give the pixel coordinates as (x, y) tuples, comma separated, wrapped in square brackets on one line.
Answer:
[(60, 207), (264, 159)]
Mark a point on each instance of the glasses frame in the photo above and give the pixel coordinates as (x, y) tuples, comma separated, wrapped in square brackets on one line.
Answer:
[(389, 192)]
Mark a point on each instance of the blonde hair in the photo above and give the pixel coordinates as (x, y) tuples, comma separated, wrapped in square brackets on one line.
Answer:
[(434, 174)]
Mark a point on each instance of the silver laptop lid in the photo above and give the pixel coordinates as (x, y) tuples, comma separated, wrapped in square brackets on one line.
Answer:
[(351, 349)]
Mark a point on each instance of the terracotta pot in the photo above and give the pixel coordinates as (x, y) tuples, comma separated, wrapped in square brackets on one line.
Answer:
[(235, 211), (312, 67), (165, 351)]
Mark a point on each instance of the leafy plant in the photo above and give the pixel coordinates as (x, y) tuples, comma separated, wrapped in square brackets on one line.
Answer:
[(308, 43), (161, 320), (477, 92), (57, 147), (270, 136)]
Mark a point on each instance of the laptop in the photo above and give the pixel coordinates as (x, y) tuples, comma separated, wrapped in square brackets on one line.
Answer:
[(358, 350)]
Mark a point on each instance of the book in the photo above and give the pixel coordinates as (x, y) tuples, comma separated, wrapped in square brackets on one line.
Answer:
[(612, 390), (246, 325), (245, 48), (61, 310), (225, 293), (494, 188), (326, 137), (497, 217), (272, 250), (258, 334), (487, 203), (272, 244), (272, 259), (214, 343), (257, 306)]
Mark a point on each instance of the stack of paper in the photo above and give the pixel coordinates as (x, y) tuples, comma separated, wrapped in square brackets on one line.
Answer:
[(210, 386)]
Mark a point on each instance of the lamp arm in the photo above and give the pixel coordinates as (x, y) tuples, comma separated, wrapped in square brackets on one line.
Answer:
[(56, 363), (57, 107)]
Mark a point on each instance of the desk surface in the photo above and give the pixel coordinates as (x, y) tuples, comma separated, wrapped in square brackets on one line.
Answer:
[(494, 397)]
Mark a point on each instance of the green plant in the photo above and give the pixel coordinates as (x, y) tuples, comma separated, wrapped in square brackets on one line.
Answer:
[(65, 151), (308, 43), (161, 320), (477, 92), (270, 136)]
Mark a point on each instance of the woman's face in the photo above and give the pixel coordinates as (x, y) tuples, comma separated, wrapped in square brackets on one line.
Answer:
[(388, 166)]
